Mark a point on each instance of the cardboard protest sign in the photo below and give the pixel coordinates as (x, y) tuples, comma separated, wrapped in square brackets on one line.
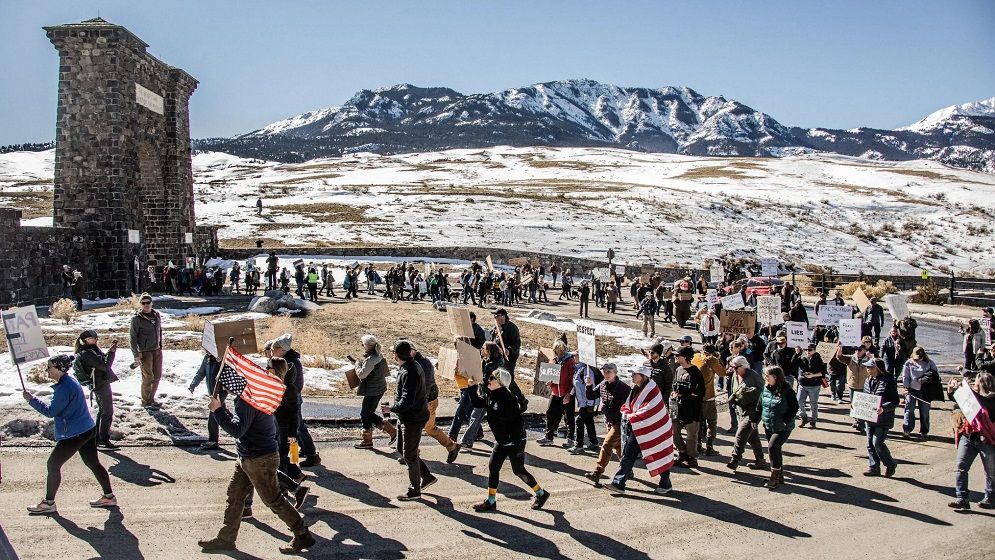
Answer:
[(967, 402), (549, 373), (490, 264), (865, 406), (769, 266), (459, 321), (797, 334), (737, 322), (861, 299), (644, 278), (769, 310), (733, 302), (544, 356), (216, 335), (24, 336), (898, 306), (619, 270), (712, 296), (827, 350), (831, 315), (468, 361), (520, 261), (587, 346), (986, 330), (448, 358), (716, 272), (850, 333), (351, 378)]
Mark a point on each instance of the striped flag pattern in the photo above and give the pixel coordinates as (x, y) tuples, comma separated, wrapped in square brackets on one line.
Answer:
[(259, 389), (651, 425)]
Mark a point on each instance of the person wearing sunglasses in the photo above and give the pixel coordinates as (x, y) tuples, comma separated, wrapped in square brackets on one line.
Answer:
[(504, 417), (146, 345)]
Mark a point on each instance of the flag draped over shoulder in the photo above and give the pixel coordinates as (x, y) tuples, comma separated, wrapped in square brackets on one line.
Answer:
[(241, 376), (651, 424)]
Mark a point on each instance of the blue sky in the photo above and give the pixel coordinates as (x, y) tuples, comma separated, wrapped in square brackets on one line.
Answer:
[(835, 64)]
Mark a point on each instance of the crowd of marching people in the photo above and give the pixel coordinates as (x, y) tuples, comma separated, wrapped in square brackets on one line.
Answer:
[(667, 414)]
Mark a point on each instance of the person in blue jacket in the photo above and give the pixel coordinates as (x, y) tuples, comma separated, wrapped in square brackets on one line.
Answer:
[(75, 432)]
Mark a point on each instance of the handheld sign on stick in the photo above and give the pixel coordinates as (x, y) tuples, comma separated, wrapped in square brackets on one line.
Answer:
[(24, 337)]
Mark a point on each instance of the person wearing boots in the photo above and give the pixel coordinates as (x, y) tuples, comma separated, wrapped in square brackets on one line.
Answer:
[(686, 402), (708, 363), (746, 388), (432, 395), (93, 368), (372, 372), (778, 406), (146, 345), (613, 393), (411, 407)]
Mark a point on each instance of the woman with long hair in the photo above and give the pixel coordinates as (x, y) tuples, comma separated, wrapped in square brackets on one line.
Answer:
[(778, 406), (915, 371), (95, 370)]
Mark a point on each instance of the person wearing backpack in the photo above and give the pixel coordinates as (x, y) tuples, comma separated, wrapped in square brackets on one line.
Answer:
[(94, 369)]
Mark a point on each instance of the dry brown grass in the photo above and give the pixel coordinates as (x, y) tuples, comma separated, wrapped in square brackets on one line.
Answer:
[(881, 289), (313, 344), (714, 172), (303, 179), (194, 322), (64, 309), (328, 212), (32, 204)]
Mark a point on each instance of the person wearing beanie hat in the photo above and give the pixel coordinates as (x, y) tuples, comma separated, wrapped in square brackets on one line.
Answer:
[(411, 407), (283, 348), (145, 336), (94, 369), (75, 432)]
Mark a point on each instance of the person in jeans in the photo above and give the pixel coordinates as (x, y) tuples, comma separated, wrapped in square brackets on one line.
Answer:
[(583, 382), (561, 400), (491, 361), (856, 375), (146, 345), (837, 375), (778, 406), (613, 393), (916, 368), (97, 368), (372, 372), (208, 373), (879, 382), (411, 408), (811, 373), (464, 408), (746, 388), (75, 432), (975, 438), (643, 406), (255, 434), (686, 403)]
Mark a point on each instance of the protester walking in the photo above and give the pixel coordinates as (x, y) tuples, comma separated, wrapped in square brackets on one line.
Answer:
[(646, 429), (880, 383), (432, 396), (613, 393), (372, 372), (95, 370), (208, 373), (583, 387), (778, 406), (918, 372), (283, 347), (561, 402), (811, 374), (411, 408), (686, 402), (747, 385), (973, 438)]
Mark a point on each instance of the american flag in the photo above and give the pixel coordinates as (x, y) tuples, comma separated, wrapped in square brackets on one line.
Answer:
[(651, 425), (241, 376)]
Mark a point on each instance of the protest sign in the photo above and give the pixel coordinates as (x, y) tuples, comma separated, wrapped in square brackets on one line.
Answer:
[(986, 330), (24, 336), (831, 315), (602, 274), (797, 334), (520, 261), (769, 310), (737, 322), (769, 266), (861, 299), (216, 336), (850, 332), (549, 373), (644, 278), (967, 402), (619, 270), (490, 264), (865, 406), (898, 306), (716, 272), (827, 350), (733, 302), (448, 358), (468, 361), (586, 345), (459, 322), (544, 356), (712, 296)]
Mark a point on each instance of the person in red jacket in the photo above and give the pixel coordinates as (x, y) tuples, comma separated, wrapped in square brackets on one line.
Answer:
[(561, 400)]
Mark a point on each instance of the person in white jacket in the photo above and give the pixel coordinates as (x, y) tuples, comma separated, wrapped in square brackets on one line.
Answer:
[(709, 327)]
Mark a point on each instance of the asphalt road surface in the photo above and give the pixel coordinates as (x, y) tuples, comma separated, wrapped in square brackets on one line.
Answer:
[(169, 497)]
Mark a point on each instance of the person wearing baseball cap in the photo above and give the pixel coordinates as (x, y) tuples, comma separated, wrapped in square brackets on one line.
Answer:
[(614, 393), (145, 335), (746, 387), (643, 405), (686, 404), (881, 384)]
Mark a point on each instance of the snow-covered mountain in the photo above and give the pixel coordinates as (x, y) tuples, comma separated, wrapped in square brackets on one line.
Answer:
[(586, 113)]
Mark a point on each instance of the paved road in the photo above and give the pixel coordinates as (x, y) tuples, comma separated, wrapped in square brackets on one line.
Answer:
[(171, 497)]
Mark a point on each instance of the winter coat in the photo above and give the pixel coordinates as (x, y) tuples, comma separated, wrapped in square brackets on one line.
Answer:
[(688, 395), (580, 386), (798, 314), (293, 358), (512, 340), (810, 364), (208, 371), (372, 372), (565, 385), (856, 373), (923, 379), (99, 366), (663, 375), (873, 315), (288, 414), (504, 416), (613, 396), (146, 332), (784, 358), (68, 408), (895, 353), (885, 386), (254, 430), (710, 368), (746, 394), (778, 408), (428, 370), (410, 404), (709, 325)]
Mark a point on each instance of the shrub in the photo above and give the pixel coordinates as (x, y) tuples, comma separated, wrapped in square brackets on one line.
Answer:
[(129, 303), (928, 292), (881, 289), (64, 309), (38, 374), (315, 347)]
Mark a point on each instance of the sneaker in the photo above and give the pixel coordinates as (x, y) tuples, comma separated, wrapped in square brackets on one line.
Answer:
[(452, 454), (216, 544), (959, 504), (485, 505), (107, 446), (300, 542), (208, 445), (545, 441), (616, 487), (804, 421), (540, 500), (402, 461), (410, 496), (593, 447), (428, 481), (43, 508), (577, 450), (568, 444), (312, 461), (104, 502), (872, 472), (300, 495), (593, 477), (889, 471), (662, 490), (986, 504), (758, 466), (247, 513)]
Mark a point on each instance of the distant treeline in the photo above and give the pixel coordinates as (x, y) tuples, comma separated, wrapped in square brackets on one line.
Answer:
[(28, 147)]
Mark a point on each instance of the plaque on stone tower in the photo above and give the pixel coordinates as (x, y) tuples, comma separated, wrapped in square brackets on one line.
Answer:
[(149, 99), (134, 236)]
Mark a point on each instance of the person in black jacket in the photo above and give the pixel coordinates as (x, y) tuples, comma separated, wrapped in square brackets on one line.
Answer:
[(613, 393), (686, 402), (411, 408), (432, 396), (663, 374), (96, 367), (895, 353), (512, 340), (811, 373), (779, 354), (504, 416), (872, 320), (283, 348), (879, 382)]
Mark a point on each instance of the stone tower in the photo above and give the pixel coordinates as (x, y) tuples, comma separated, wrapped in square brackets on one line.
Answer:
[(122, 152)]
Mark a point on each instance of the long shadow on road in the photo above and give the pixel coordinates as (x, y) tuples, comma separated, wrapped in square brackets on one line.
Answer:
[(489, 529), (113, 541), (352, 539), (129, 470)]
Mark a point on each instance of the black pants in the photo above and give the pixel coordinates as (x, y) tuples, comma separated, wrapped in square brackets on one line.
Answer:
[(516, 454), (271, 280), (775, 441), (872, 330), (408, 439), (368, 412), (586, 420), (312, 290), (555, 413), (105, 412), (212, 422), (610, 306), (86, 445), (585, 308), (288, 472)]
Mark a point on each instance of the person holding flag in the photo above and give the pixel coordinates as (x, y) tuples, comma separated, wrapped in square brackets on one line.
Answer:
[(259, 393), (646, 429)]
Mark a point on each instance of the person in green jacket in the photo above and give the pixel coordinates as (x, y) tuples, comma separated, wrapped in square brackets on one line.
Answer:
[(746, 387), (778, 406)]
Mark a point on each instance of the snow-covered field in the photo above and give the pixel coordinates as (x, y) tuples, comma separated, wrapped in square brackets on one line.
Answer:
[(848, 213)]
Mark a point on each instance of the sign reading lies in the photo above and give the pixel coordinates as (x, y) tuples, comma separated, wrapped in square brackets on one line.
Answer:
[(149, 99)]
